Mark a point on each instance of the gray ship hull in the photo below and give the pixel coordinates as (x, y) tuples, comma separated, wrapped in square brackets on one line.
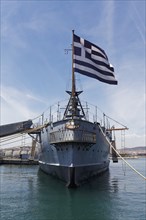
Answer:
[(74, 176), (74, 153)]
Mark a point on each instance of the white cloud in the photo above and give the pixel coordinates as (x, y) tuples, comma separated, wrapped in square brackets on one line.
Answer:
[(125, 102), (127, 105), (32, 97), (131, 139), (102, 30), (16, 105), (140, 23)]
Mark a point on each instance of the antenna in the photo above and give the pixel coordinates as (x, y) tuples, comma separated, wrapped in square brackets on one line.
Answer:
[(67, 50)]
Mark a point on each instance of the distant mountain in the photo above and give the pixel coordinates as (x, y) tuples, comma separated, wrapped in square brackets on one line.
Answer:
[(135, 148)]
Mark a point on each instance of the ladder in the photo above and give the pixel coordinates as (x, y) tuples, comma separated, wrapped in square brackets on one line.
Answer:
[(114, 154), (23, 140), (123, 149)]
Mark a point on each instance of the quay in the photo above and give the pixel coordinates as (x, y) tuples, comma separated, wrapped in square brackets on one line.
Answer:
[(18, 161)]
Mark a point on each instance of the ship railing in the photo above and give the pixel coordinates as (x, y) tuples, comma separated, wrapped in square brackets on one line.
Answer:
[(55, 112), (62, 136)]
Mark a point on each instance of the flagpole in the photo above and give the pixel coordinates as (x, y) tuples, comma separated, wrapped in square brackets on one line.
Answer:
[(73, 94), (73, 74)]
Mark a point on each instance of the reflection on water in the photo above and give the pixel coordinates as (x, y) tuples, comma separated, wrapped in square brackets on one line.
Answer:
[(114, 184), (91, 199), (28, 193), (103, 182)]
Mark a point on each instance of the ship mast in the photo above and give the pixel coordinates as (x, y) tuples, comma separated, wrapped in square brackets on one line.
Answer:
[(74, 107), (73, 73), (73, 93)]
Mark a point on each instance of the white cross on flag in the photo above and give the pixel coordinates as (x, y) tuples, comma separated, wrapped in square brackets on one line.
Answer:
[(92, 61)]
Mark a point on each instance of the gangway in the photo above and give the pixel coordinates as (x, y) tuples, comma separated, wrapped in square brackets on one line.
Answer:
[(14, 128)]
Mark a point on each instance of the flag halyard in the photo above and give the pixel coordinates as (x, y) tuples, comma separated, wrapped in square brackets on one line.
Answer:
[(92, 61)]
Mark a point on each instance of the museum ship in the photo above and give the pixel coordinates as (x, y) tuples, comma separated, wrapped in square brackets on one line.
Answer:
[(74, 148)]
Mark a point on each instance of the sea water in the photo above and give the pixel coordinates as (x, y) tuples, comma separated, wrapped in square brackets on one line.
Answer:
[(26, 193)]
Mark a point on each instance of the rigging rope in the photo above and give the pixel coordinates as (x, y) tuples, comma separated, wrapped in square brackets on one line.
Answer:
[(128, 164), (121, 156), (10, 137), (116, 121), (4, 140), (15, 141)]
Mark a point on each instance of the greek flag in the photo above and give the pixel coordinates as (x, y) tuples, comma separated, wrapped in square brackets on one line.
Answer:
[(92, 61)]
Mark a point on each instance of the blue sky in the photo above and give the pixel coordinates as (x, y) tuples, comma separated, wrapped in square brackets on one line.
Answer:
[(35, 71)]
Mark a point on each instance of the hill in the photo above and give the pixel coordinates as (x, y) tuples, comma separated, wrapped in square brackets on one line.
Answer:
[(133, 151)]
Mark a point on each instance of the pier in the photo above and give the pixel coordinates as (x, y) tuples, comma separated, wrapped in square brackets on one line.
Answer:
[(18, 161)]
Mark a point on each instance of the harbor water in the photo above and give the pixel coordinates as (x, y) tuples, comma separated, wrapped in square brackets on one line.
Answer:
[(27, 193)]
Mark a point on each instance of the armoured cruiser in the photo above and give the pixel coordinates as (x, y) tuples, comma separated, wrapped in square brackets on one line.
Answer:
[(74, 148)]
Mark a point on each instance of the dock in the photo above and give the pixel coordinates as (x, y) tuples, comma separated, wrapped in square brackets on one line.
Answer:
[(13, 161)]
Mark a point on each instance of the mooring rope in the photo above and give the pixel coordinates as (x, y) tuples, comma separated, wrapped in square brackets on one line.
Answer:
[(122, 157), (128, 163)]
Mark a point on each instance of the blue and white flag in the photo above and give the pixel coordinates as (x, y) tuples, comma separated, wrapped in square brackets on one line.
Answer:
[(92, 61)]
